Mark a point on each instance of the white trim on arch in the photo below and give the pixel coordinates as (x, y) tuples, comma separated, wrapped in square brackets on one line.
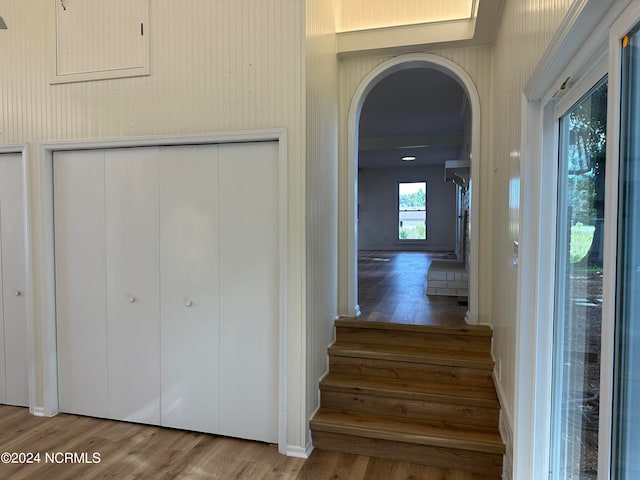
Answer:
[(23, 151), (46, 303), (402, 62)]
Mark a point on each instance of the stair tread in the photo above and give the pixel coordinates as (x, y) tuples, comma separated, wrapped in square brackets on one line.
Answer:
[(471, 330), (409, 431), (413, 354), (408, 389)]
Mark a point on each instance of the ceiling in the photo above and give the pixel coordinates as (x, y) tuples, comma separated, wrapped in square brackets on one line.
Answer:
[(367, 14), (419, 112), (381, 27)]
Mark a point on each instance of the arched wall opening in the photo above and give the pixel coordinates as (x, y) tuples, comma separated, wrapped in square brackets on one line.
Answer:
[(457, 73)]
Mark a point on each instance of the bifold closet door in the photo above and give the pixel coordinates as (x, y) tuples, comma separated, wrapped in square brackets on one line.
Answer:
[(133, 278), (249, 291), (13, 331), (189, 293), (80, 259)]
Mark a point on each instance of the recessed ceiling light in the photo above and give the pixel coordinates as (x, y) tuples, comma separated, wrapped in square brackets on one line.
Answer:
[(408, 158)]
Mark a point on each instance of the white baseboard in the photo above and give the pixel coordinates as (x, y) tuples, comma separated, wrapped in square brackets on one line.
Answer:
[(299, 452), (38, 412), (506, 431)]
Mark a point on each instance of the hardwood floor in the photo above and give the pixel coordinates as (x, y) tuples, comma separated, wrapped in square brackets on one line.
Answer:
[(143, 452), (392, 286)]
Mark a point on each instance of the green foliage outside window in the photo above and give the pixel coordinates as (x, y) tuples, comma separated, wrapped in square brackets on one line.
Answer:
[(419, 232)]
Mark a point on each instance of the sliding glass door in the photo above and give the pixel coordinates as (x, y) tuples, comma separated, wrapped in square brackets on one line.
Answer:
[(579, 285), (626, 441)]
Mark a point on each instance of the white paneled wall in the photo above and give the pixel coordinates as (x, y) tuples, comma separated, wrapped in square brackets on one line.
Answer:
[(525, 31), (361, 14), (215, 66), (478, 64), (322, 195)]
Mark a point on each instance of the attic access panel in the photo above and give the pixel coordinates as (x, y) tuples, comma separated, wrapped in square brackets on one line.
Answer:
[(100, 39)]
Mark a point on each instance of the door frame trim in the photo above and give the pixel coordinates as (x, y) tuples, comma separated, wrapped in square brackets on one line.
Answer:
[(45, 263)]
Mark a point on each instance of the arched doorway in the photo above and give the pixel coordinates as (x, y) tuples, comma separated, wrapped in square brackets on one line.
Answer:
[(396, 64)]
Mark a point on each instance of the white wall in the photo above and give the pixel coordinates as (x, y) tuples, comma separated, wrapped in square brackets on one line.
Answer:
[(215, 66), (322, 195), (526, 29), (377, 201), (478, 63)]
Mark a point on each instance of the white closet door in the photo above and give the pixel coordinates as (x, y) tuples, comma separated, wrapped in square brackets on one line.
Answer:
[(14, 378), (189, 287), (132, 246), (81, 282), (249, 291)]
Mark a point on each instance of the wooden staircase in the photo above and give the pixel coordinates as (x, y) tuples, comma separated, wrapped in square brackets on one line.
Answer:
[(413, 393)]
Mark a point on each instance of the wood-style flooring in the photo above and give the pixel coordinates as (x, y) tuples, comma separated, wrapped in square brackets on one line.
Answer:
[(392, 288), (131, 451)]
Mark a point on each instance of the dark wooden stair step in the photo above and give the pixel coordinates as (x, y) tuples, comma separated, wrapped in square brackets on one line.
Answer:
[(464, 338), (436, 444), (411, 390), (477, 360), (472, 330), (408, 431)]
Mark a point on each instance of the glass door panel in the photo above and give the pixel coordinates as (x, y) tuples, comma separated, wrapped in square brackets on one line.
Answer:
[(626, 441), (578, 302)]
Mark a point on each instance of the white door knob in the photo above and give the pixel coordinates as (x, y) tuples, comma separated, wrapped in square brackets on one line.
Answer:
[(188, 303), (131, 299), (18, 293)]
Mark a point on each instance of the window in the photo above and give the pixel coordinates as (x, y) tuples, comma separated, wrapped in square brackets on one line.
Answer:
[(412, 211), (579, 287)]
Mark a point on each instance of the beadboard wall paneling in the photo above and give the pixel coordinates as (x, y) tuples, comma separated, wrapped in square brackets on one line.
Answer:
[(477, 62), (362, 14), (215, 66), (321, 189), (526, 29)]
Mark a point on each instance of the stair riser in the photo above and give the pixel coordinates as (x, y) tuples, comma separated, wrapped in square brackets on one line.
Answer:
[(426, 341), (490, 465), (410, 371), (416, 409)]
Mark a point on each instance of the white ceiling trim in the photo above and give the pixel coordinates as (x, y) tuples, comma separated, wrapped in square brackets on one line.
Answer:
[(379, 39)]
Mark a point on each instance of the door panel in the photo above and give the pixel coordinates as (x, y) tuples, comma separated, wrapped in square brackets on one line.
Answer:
[(579, 287), (81, 282), (12, 244), (249, 291), (167, 271), (626, 439), (189, 287), (132, 246)]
